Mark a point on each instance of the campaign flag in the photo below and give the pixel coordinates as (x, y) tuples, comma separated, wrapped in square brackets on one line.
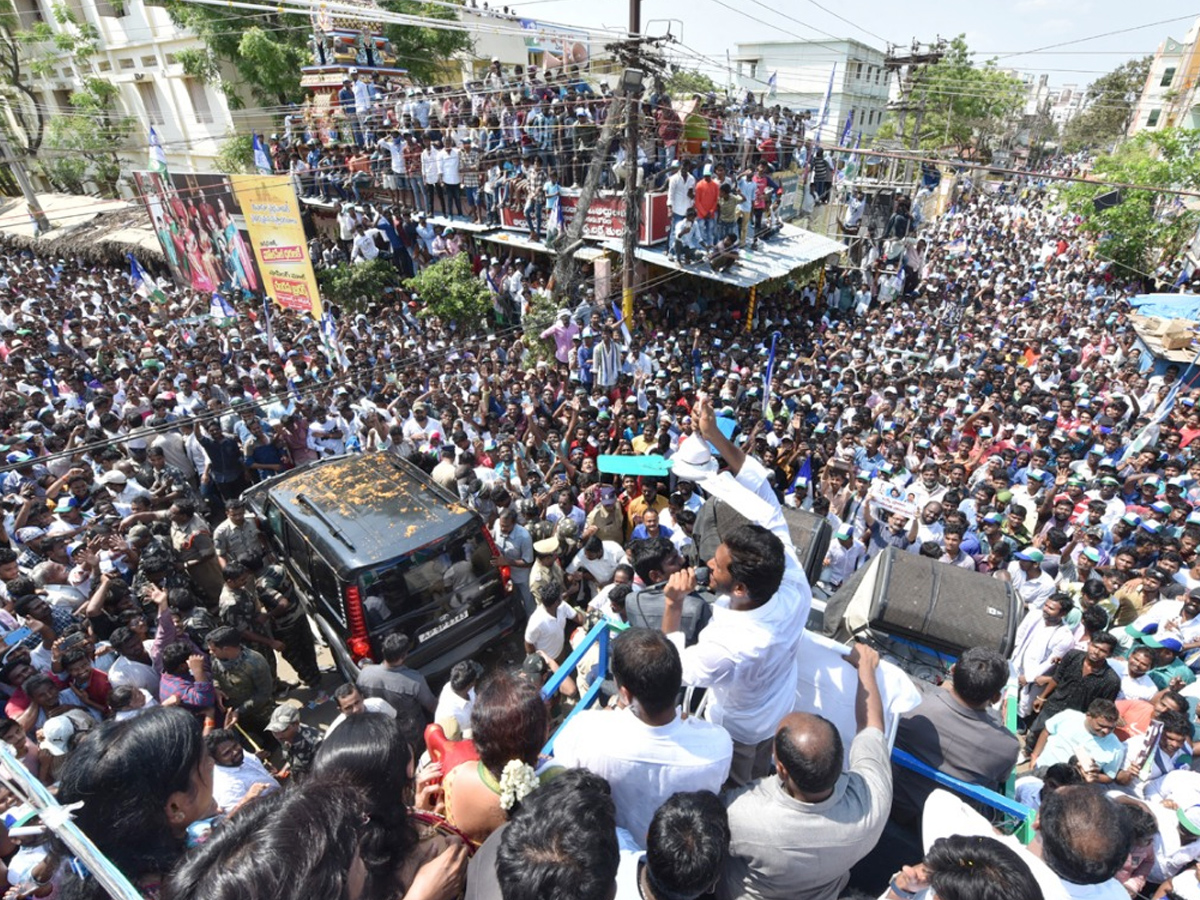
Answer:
[(769, 371), (772, 84), (823, 114), (262, 161), (619, 315), (803, 478), (330, 339), (158, 156), (219, 308), (1149, 434), (143, 284), (51, 380), (846, 129)]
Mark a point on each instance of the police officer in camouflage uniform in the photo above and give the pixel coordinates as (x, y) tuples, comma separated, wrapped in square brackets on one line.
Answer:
[(298, 742), (242, 677), (240, 610), (289, 623)]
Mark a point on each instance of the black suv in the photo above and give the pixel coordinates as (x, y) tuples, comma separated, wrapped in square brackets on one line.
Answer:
[(375, 547)]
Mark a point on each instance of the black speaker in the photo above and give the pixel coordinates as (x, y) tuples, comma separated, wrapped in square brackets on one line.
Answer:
[(931, 603), (810, 533), (1107, 201)]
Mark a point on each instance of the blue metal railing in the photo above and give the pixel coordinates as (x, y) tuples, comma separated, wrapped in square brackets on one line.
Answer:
[(599, 637), (997, 801)]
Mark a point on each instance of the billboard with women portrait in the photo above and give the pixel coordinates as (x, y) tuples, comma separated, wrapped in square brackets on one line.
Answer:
[(202, 231)]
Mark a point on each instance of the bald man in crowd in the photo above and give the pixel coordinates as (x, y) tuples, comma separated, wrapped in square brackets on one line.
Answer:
[(796, 833)]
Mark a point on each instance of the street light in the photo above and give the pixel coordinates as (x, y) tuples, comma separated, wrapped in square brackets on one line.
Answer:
[(632, 83)]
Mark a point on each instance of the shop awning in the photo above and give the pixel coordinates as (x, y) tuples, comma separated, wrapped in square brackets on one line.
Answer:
[(778, 257), (586, 253)]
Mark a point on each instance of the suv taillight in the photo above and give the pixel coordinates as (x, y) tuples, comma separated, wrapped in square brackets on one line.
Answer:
[(359, 642), (505, 571)]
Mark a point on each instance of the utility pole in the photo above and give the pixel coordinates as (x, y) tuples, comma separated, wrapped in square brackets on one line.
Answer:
[(911, 63), (17, 167), (633, 108)]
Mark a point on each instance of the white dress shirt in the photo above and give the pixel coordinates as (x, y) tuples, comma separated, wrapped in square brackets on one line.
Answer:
[(645, 764)]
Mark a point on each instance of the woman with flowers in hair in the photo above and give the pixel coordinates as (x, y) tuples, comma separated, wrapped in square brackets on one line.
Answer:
[(509, 726)]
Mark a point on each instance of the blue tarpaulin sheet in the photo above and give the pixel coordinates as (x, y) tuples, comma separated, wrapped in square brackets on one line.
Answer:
[(1168, 306)]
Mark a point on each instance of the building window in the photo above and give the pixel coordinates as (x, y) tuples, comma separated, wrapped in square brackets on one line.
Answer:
[(29, 12), (199, 98), (106, 8), (1153, 120), (62, 99), (104, 65), (149, 62), (150, 101), (1168, 77), (858, 71), (127, 63)]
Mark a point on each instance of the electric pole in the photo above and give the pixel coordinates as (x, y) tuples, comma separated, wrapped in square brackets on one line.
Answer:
[(908, 67), (633, 108), (17, 167)]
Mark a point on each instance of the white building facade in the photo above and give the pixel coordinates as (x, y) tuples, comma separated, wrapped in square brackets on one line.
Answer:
[(802, 71), (138, 49)]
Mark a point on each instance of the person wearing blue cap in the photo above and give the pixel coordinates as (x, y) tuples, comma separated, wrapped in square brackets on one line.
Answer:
[(1032, 584)]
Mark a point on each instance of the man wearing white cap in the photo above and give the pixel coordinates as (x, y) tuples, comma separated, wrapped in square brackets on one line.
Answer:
[(562, 332), (747, 655)]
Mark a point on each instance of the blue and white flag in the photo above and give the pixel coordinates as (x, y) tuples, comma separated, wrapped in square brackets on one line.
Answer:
[(1148, 436), (50, 382), (158, 156), (143, 284), (803, 478), (619, 315), (845, 140), (769, 371), (262, 161), (330, 339), (772, 84), (823, 114), (219, 308)]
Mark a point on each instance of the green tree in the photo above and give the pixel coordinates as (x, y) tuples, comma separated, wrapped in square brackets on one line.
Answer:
[(1110, 99), (236, 155), (967, 106), (15, 83), (84, 144), (355, 286), (1146, 226), (682, 83), (451, 292), (268, 51), (423, 51)]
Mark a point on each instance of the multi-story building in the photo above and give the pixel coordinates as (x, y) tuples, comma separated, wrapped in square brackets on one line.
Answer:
[(1168, 98), (802, 71), (137, 51)]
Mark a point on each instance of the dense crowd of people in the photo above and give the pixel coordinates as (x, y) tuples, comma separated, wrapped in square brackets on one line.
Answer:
[(518, 137), (981, 402)]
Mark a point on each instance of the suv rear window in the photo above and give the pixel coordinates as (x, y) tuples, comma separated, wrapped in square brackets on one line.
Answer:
[(434, 588)]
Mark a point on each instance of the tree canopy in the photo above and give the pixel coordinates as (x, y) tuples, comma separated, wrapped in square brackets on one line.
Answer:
[(268, 51), (1146, 226), (682, 83), (1110, 99), (967, 106)]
